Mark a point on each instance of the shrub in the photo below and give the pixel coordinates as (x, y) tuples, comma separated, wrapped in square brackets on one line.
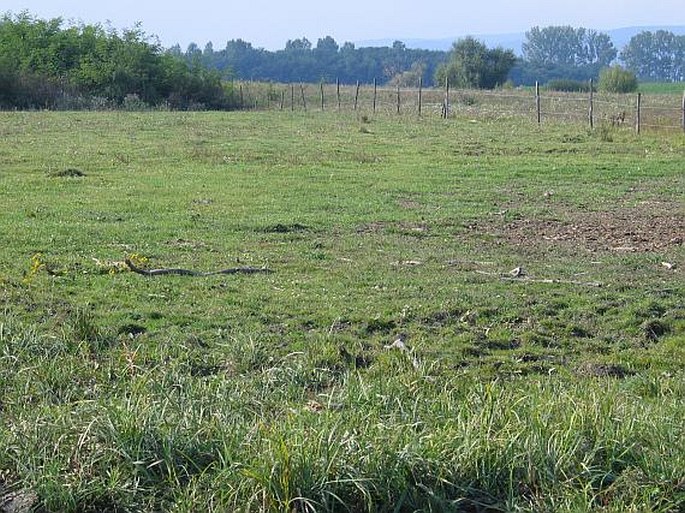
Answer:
[(568, 86), (617, 80)]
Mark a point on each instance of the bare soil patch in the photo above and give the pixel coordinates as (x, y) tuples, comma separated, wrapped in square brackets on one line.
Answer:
[(639, 229)]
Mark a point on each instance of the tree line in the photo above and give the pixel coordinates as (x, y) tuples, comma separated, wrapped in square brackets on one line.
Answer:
[(302, 61), (47, 64), (549, 53)]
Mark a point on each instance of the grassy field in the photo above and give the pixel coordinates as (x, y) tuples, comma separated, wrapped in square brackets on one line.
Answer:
[(662, 88), (461, 315)]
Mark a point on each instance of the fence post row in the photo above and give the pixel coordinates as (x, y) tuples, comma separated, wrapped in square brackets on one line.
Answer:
[(245, 98)]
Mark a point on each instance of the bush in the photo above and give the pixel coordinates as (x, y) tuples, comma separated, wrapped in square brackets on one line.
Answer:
[(617, 80), (568, 86)]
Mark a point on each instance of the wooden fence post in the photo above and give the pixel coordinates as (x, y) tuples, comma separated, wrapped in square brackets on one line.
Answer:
[(538, 109), (337, 91), (638, 114), (592, 105), (292, 97), (304, 101), (375, 93), (282, 99), (398, 98), (420, 93), (356, 96), (446, 106), (323, 102), (683, 120), (242, 98)]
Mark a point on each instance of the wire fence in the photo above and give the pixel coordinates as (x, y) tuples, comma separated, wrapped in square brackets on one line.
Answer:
[(637, 111)]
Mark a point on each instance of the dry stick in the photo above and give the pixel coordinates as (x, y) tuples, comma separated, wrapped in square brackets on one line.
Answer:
[(282, 99)]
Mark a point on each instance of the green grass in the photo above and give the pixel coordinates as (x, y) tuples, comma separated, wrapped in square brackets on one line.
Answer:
[(559, 390), (662, 87)]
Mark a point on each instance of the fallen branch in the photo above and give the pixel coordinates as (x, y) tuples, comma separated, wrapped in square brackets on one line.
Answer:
[(188, 272), (566, 282), (519, 275)]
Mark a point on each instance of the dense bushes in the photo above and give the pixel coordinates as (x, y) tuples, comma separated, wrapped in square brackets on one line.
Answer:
[(569, 86), (46, 65), (617, 80)]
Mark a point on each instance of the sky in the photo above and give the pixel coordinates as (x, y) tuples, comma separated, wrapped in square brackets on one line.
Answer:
[(270, 23)]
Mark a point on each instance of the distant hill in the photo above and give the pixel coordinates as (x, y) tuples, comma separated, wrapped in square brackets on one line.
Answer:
[(514, 41)]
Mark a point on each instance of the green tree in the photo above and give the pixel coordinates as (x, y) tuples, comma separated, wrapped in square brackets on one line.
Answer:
[(409, 78), (656, 56), (472, 64), (298, 45), (568, 46)]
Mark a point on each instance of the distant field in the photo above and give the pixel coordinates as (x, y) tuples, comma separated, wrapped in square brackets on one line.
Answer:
[(461, 315), (662, 88)]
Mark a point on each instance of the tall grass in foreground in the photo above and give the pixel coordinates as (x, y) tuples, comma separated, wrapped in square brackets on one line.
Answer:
[(89, 433)]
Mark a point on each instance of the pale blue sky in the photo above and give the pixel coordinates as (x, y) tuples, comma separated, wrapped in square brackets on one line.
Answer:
[(270, 23)]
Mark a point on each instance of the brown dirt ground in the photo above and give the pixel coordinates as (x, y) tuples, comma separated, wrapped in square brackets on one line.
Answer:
[(649, 227)]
